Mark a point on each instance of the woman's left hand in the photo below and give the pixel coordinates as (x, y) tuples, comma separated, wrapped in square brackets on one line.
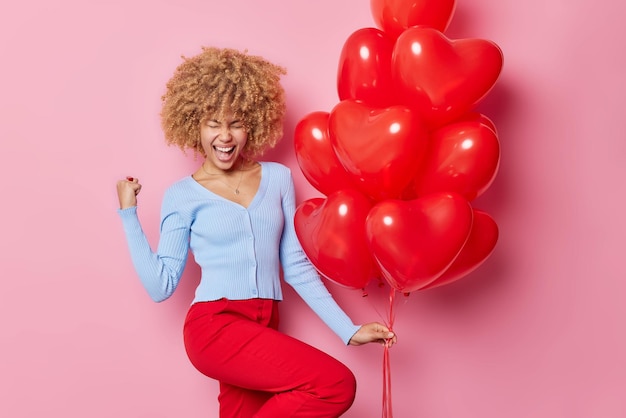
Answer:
[(373, 332)]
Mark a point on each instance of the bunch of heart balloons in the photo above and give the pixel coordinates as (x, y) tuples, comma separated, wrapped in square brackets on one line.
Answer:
[(402, 155)]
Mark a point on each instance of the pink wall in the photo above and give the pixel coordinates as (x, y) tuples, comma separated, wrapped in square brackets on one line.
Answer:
[(538, 331)]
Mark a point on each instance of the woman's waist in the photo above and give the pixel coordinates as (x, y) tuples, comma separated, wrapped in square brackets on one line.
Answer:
[(237, 287)]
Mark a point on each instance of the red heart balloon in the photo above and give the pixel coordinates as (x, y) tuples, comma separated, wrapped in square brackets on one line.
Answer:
[(441, 78), (332, 234), (394, 16), (462, 157), (380, 148), (479, 246), (365, 68), (414, 242), (316, 156)]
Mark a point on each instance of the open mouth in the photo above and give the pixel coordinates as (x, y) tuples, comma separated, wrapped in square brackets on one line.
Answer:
[(225, 150), (224, 153)]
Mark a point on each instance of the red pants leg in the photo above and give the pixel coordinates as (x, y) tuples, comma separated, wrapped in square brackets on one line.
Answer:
[(263, 373)]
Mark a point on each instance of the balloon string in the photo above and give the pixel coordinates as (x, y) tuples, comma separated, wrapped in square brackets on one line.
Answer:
[(374, 306), (387, 405)]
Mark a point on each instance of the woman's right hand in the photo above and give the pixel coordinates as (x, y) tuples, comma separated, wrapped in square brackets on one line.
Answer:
[(127, 191)]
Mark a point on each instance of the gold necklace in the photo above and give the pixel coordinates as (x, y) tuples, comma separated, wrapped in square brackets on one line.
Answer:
[(236, 189)]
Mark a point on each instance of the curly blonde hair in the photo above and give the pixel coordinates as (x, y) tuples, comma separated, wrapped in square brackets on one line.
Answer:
[(218, 81)]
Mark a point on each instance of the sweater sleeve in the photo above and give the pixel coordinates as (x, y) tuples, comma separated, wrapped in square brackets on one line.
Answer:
[(302, 276), (159, 271)]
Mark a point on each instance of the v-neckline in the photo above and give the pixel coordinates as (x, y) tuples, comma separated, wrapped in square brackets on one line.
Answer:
[(252, 201)]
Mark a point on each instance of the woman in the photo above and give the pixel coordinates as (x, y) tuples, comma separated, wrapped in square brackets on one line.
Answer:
[(236, 215)]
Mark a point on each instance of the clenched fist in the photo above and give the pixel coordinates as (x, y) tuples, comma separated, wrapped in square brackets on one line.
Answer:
[(127, 191)]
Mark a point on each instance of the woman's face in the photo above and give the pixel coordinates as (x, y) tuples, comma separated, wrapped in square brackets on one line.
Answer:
[(223, 140)]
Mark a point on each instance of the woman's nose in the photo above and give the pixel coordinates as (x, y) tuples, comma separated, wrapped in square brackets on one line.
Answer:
[(225, 133)]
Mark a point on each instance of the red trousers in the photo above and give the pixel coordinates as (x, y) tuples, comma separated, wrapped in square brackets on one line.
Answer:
[(263, 373)]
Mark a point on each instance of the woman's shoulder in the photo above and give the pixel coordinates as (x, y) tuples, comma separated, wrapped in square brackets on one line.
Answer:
[(274, 167), (183, 184), (181, 190)]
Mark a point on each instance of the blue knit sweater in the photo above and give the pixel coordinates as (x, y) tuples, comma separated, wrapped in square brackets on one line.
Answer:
[(240, 250)]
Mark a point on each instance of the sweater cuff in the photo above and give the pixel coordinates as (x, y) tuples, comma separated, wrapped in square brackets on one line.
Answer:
[(130, 220), (130, 211), (348, 333)]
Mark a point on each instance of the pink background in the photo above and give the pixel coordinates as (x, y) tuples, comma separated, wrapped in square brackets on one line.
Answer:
[(538, 331)]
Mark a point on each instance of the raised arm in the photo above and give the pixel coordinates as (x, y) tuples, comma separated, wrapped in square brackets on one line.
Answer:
[(159, 271)]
